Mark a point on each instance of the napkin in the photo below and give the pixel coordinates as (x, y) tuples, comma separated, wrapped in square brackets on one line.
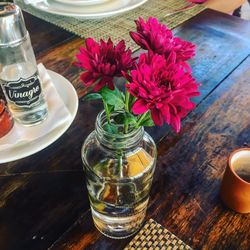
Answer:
[(58, 115)]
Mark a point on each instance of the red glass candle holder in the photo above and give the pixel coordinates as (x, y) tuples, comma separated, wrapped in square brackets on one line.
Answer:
[(6, 120)]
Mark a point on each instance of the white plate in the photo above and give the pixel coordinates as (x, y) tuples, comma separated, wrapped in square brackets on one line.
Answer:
[(111, 7), (81, 2), (70, 98)]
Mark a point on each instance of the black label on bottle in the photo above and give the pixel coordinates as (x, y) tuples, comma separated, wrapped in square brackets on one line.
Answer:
[(24, 92)]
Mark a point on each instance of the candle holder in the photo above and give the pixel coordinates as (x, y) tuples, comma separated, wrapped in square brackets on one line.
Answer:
[(235, 187), (6, 120)]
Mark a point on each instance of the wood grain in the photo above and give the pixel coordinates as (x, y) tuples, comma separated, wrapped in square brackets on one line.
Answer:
[(184, 196)]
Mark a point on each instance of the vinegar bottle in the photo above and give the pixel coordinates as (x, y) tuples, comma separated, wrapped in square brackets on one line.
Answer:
[(19, 77)]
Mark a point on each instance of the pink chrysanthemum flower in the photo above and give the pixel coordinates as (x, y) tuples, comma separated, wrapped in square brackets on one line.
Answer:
[(162, 87), (103, 61), (156, 37)]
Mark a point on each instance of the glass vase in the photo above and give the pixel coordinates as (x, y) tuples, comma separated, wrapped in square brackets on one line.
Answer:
[(119, 170)]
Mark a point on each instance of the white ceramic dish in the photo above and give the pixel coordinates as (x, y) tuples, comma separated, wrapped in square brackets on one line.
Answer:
[(81, 2), (70, 98), (109, 8)]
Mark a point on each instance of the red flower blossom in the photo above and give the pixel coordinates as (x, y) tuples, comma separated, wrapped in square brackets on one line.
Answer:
[(151, 35), (162, 87), (156, 37), (184, 50), (103, 62)]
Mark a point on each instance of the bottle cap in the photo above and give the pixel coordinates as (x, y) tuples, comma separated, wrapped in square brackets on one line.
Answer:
[(12, 26)]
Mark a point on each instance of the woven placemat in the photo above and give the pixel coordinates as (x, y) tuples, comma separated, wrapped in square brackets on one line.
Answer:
[(118, 27), (154, 236)]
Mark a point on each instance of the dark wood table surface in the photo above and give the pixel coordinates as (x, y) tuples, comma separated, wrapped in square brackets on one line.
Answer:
[(43, 198)]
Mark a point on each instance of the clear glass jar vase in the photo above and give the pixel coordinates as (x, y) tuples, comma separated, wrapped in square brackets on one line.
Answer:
[(119, 170)]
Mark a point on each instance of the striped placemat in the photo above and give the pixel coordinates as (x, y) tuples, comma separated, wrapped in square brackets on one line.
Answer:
[(154, 236), (118, 27)]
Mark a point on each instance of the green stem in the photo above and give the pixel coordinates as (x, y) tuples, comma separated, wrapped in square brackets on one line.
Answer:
[(107, 111), (127, 96), (140, 119), (126, 127)]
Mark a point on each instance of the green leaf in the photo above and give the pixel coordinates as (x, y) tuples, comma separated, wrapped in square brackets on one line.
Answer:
[(123, 118), (131, 101), (147, 121), (111, 128), (92, 96), (131, 119), (111, 108), (119, 119), (113, 97), (122, 95)]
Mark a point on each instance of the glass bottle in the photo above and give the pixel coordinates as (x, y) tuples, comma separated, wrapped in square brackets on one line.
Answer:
[(119, 171), (19, 77)]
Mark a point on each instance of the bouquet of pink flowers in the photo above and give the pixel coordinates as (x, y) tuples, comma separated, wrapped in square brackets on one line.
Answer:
[(159, 83)]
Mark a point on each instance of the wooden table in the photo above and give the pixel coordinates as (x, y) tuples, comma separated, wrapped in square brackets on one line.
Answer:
[(43, 198)]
